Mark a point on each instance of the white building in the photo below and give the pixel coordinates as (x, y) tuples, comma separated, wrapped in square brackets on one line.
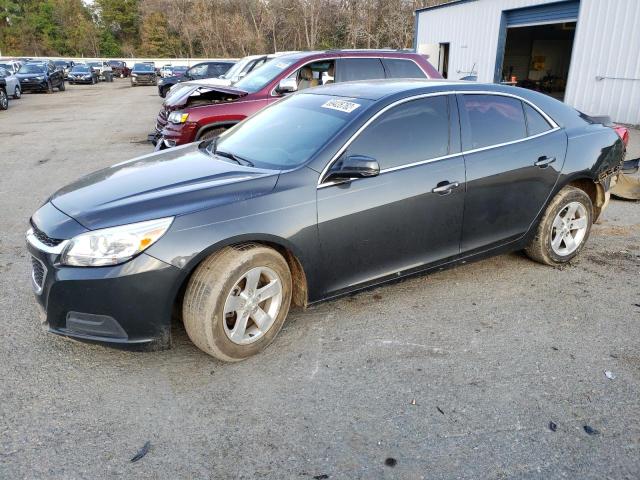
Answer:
[(586, 52)]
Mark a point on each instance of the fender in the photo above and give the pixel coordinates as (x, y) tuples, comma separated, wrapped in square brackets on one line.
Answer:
[(211, 126)]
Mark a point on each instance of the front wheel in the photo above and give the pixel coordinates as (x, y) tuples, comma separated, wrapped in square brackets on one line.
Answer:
[(211, 134), (4, 99), (563, 229), (49, 86), (236, 301), (62, 86), (17, 93)]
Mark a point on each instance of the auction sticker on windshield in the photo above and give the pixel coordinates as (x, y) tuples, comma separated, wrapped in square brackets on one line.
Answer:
[(341, 105)]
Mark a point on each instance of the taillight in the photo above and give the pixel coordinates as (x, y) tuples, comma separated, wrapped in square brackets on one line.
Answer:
[(623, 132)]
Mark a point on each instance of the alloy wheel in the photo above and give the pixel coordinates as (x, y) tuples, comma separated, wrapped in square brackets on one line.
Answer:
[(569, 229), (252, 305)]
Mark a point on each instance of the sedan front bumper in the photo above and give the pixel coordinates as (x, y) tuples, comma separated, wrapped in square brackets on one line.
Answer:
[(123, 305)]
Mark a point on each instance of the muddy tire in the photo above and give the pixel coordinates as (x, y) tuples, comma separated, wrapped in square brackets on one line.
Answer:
[(211, 134), (4, 99), (236, 301), (563, 229)]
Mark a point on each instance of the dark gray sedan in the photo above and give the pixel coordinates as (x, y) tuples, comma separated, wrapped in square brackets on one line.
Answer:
[(324, 193)]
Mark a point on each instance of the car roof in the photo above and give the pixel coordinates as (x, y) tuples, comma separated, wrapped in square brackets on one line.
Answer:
[(378, 89)]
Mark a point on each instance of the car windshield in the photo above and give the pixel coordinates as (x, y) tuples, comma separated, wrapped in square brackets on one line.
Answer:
[(143, 67), (180, 69), (60, 62), (289, 133), (115, 63), (7, 66), (80, 68), (95, 64), (235, 70), (31, 68), (262, 76)]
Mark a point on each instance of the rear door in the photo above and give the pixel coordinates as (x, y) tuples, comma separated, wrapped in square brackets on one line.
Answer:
[(513, 157), (373, 227)]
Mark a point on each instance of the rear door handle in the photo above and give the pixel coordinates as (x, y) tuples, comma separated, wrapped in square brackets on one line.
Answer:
[(544, 162), (445, 188)]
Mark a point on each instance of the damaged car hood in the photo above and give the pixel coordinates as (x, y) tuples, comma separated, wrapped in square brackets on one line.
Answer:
[(172, 182), (195, 94)]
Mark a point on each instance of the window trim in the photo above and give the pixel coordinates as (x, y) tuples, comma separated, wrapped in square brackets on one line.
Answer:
[(334, 159), (273, 93)]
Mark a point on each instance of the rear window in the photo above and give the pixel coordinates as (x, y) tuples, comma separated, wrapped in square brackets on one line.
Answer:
[(398, 68), (351, 69), (536, 123), (493, 119)]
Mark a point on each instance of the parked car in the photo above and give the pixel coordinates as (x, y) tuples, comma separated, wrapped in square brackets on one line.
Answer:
[(166, 70), (103, 69), (143, 74), (82, 73), (64, 65), (12, 65), (232, 231), (40, 76), (204, 113), (4, 97), (12, 83), (198, 71), (119, 68), (179, 70)]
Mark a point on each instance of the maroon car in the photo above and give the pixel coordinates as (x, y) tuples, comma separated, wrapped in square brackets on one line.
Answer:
[(201, 110), (119, 68)]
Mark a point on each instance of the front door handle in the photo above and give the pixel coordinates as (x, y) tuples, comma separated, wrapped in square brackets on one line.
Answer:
[(445, 188), (544, 162)]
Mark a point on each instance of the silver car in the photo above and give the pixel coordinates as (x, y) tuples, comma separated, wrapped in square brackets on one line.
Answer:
[(13, 84)]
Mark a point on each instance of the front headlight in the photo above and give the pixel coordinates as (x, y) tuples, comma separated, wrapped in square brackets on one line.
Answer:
[(39, 78), (178, 117), (111, 246)]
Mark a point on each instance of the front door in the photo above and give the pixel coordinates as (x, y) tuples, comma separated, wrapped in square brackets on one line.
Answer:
[(514, 161), (375, 227)]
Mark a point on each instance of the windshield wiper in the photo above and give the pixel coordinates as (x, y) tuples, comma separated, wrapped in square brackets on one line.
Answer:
[(239, 160)]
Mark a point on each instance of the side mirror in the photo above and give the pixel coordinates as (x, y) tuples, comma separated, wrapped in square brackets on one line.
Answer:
[(287, 85), (354, 166)]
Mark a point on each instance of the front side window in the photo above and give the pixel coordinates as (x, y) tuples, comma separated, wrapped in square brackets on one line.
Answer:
[(217, 69), (493, 119), (398, 68), (536, 123), (314, 74), (288, 133), (198, 71), (411, 132), (351, 69)]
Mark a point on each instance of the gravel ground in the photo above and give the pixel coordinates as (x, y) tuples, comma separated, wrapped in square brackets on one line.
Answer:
[(453, 375)]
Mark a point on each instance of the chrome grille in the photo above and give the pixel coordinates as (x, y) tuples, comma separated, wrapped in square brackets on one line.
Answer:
[(38, 274)]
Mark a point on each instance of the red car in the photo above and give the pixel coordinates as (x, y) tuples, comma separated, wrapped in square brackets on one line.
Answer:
[(200, 111)]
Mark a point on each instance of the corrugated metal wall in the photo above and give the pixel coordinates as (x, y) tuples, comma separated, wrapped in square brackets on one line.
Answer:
[(604, 77), (607, 44)]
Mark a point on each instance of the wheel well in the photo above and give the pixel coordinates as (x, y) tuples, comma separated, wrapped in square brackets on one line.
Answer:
[(215, 126), (299, 296), (596, 194)]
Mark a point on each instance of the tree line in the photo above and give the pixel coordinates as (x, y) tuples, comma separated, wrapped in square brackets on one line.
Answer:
[(201, 28)]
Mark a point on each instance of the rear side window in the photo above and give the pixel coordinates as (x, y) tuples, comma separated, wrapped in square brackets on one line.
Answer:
[(493, 119), (217, 69), (350, 69), (536, 123), (397, 68), (411, 132)]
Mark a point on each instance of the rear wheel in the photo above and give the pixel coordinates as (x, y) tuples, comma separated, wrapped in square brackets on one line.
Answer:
[(4, 99), (236, 301), (17, 93), (564, 228)]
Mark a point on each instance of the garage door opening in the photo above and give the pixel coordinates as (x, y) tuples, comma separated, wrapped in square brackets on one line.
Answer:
[(538, 57)]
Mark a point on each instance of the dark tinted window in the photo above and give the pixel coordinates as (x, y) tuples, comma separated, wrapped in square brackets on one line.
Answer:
[(402, 68), (217, 69), (535, 122), (350, 69), (414, 131), (493, 119)]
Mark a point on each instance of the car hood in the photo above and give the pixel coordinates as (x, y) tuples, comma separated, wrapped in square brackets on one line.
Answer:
[(203, 95), (171, 182)]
